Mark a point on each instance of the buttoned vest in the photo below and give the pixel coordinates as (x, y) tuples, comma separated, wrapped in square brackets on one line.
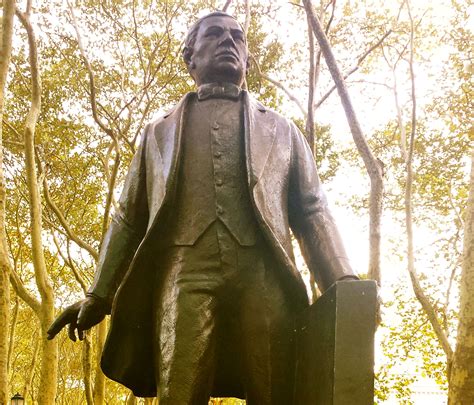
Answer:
[(212, 183)]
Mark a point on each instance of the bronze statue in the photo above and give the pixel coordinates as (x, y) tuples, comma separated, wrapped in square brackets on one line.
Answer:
[(197, 267)]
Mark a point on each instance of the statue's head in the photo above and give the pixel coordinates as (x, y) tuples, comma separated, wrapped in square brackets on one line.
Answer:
[(215, 50)]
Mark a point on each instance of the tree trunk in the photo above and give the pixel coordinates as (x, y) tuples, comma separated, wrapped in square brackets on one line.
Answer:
[(311, 90), (99, 381), (31, 371), (372, 165), (49, 357), (49, 353), (8, 10), (87, 366), (131, 399), (461, 383), (11, 337), (417, 289)]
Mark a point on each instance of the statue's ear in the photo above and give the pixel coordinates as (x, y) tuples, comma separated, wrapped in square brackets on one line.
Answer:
[(187, 53), (247, 66)]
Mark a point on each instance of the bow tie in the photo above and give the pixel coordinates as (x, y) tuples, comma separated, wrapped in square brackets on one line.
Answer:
[(218, 90)]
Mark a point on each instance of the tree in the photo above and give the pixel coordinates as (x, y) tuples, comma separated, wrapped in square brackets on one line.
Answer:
[(81, 162), (372, 165), (461, 385), (8, 10), (44, 308), (95, 101)]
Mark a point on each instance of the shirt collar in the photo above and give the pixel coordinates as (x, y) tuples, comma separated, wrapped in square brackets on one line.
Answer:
[(218, 90)]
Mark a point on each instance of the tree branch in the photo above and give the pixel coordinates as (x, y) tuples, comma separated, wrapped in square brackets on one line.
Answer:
[(247, 18), (226, 5), (70, 264), (418, 290), (11, 338), (39, 264), (93, 96), (372, 165), (311, 89), (7, 17), (23, 293), (64, 223), (354, 69), (401, 124), (109, 200), (280, 86), (31, 372)]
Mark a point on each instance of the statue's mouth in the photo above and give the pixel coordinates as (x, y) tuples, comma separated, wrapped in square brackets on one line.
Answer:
[(227, 54)]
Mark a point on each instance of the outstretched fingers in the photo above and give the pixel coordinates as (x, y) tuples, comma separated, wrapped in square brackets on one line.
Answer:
[(80, 316), (71, 331), (68, 316)]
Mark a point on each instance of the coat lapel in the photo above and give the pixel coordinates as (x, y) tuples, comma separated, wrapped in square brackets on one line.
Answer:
[(168, 135), (259, 128), (260, 131)]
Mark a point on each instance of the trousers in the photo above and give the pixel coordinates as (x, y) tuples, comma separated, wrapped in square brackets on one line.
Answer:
[(224, 324)]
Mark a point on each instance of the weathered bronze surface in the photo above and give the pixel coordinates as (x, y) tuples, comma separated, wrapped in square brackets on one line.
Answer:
[(197, 267), (335, 340)]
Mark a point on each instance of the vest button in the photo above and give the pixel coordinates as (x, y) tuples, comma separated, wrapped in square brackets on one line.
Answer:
[(217, 155), (219, 182), (215, 126), (220, 210)]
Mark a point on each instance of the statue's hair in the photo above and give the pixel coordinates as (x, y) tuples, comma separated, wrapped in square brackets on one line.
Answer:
[(192, 34)]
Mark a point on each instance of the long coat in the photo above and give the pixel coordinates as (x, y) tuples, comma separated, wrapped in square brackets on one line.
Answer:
[(286, 194)]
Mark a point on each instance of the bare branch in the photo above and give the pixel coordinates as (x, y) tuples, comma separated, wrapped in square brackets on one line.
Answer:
[(280, 86), (6, 34), (64, 223), (12, 128), (448, 294), (23, 293), (111, 185), (34, 359), (401, 124), (373, 166), (354, 69), (311, 89), (70, 264), (418, 290), (247, 18), (331, 18), (11, 338), (39, 264), (226, 5), (93, 96), (460, 388), (29, 5)]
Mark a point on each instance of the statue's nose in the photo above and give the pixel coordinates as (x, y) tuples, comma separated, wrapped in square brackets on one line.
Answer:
[(227, 39)]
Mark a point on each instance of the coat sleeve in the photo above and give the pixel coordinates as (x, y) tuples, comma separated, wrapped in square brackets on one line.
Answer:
[(126, 230), (310, 218)]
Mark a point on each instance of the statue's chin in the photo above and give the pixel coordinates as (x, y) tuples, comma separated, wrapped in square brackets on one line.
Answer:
[(224, 72)]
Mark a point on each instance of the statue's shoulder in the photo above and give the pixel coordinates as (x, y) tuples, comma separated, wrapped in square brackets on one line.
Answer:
[(270, 115), (267, 111), (173, 112)]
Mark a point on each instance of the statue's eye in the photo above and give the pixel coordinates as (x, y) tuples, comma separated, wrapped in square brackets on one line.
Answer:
[(213, 32), (237, 35)]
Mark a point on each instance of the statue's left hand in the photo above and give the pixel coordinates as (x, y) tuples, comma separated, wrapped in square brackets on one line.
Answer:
[(82, 315)]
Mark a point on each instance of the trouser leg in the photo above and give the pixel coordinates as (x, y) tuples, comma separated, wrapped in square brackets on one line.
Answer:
[(267, 323), (187, 326), (218, 278)]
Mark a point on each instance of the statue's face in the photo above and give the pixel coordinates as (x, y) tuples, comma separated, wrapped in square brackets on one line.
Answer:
[(220, 52)]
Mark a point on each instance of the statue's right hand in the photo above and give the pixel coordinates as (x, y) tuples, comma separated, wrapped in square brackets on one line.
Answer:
[(82, 315)]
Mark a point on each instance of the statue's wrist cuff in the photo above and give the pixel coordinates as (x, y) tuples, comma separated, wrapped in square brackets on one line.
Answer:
[(106, 306)]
